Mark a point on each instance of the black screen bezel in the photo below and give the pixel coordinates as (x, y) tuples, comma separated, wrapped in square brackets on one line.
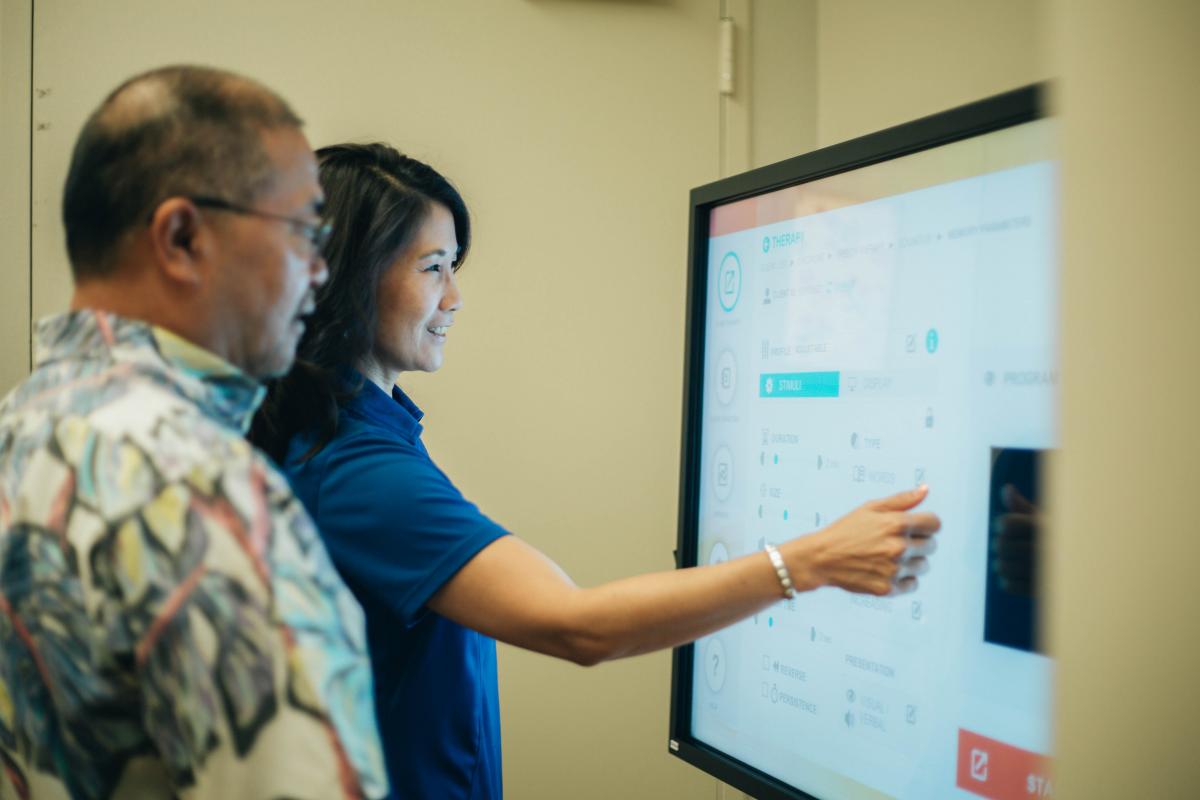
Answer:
[(985, 116)]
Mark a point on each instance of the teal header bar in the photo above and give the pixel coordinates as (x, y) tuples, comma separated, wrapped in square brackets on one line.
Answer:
[(799, 384)]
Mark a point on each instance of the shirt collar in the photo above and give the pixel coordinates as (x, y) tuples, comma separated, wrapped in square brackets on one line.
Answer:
[(221, 390), (397, 412)]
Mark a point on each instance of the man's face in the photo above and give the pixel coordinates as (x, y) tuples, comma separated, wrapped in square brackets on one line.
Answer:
[(270, 270)]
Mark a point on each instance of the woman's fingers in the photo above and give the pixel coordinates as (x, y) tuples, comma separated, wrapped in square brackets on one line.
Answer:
[(901, 501), (912, 568), (922, 524), (918, 548), (907, 572)]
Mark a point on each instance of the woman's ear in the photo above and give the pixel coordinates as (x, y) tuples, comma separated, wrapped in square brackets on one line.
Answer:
[(179, 241)]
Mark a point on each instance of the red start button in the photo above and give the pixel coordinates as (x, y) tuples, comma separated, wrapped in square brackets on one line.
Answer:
[(1000, 771)]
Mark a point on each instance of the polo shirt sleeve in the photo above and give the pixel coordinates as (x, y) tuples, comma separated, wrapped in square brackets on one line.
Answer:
[(395, 525)]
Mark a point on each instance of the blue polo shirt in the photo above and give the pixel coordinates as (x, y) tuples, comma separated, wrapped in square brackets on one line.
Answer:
[(397, 530)]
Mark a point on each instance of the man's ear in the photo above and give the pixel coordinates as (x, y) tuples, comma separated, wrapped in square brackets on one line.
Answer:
[(180, 243)]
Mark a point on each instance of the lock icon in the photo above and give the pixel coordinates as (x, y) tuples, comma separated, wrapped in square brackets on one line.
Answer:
[(929, 417)]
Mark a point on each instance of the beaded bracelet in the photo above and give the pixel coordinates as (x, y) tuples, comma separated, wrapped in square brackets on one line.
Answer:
[(785, 579)]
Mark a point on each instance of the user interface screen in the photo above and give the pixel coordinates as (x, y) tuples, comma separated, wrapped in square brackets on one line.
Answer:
[(865, 333)]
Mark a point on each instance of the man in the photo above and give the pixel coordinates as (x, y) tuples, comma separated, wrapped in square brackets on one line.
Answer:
[(170, 624)]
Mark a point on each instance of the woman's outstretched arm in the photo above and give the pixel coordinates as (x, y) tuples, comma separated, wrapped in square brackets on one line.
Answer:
[(516, 594)]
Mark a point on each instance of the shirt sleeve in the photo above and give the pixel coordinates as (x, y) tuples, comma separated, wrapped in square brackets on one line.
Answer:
[(395, 525)]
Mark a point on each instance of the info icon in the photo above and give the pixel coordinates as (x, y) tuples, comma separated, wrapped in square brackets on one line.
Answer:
[(931, 341)]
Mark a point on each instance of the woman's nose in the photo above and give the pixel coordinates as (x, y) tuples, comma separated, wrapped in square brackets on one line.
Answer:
[(452, 298)]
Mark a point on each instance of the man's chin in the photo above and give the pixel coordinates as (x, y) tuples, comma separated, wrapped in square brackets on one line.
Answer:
[(278, 362), (275, 367)]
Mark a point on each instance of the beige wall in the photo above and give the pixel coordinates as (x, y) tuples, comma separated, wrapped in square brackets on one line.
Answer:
[(882, 62), (1124, 610), (772, 114), (15, 67), (783, 72)]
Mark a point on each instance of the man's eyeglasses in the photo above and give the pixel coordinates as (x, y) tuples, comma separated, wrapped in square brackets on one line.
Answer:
[(317, 233)]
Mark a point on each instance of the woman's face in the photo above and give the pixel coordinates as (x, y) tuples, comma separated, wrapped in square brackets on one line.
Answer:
[(418, 297)]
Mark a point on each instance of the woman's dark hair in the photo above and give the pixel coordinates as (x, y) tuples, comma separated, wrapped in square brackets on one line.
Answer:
[(376, 198)]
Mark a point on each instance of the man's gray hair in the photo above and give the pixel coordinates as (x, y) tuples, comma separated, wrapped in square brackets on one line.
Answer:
[(174, 131)]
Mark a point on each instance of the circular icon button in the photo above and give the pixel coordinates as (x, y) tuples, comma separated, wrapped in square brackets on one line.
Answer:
[(729, 281), (722, 474), (726, 377), (714, 664)]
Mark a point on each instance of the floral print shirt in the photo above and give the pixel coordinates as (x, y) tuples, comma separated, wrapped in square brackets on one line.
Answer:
[(170, 623)]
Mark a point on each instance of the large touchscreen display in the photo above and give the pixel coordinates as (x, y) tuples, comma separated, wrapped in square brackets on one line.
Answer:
[(881, 328)]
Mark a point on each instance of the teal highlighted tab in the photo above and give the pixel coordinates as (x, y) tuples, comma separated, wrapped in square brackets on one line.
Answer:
[(799, 384)]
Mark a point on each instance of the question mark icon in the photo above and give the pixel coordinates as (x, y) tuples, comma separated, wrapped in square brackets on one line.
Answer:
[(714, 653)]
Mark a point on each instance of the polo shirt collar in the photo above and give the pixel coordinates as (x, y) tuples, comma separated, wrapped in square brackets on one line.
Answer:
[(397, 413)]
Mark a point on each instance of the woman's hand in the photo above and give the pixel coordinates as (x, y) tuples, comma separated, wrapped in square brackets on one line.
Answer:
[(879, 548)]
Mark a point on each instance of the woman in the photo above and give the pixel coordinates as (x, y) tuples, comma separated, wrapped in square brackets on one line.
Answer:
[(438, 580)]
